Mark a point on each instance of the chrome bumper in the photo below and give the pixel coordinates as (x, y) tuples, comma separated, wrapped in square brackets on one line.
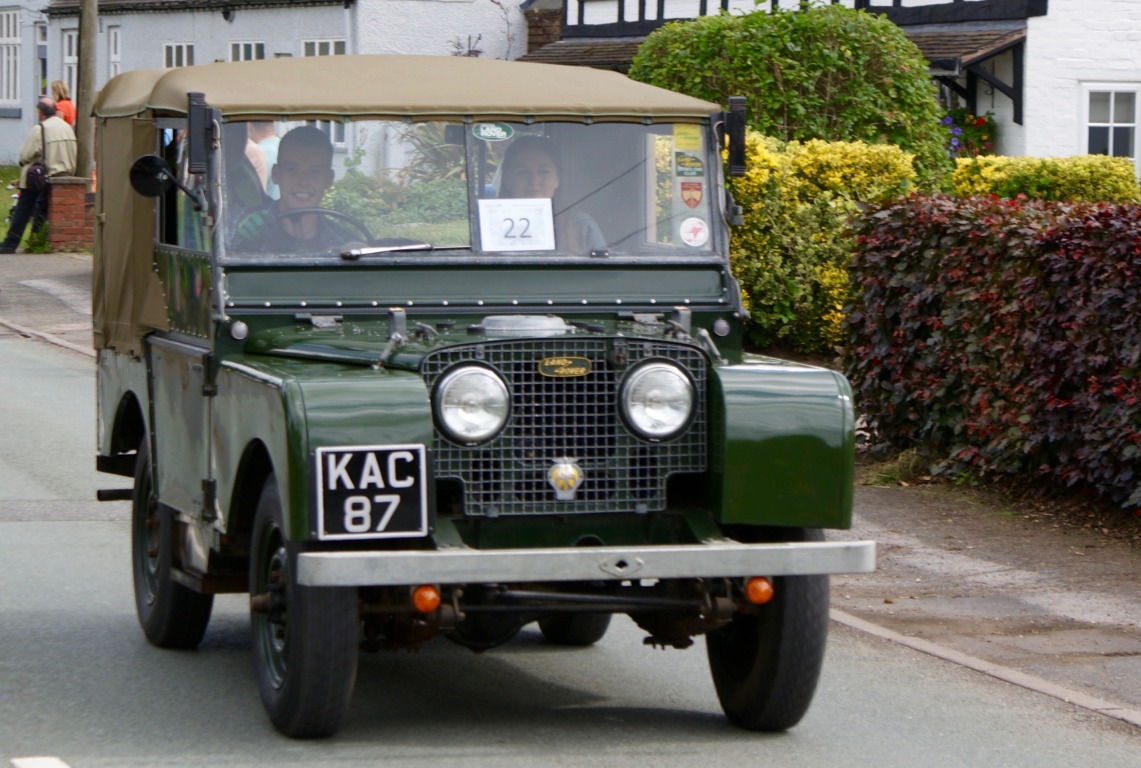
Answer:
[(471, 566)]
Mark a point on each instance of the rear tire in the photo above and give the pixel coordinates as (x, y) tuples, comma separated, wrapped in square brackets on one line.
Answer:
[(171, 615), (306, 643), (766, 665), (575, 629)]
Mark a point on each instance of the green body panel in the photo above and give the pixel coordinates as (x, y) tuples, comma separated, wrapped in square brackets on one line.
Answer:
[(786, 453), (119, 376), (185, 278), (480, 282), (294, 407)]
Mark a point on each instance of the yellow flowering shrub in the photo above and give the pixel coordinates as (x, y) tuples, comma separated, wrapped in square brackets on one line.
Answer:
[(1081, 178), (791, 254)]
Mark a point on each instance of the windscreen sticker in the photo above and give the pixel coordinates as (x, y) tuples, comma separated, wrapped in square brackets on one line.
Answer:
[(694, 232), (691, 193), (516, 224), (688, 165), (687, 137), (492, 131)]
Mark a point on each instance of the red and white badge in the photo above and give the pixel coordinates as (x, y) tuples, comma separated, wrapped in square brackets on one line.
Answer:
[(691, 192), (694, 232)]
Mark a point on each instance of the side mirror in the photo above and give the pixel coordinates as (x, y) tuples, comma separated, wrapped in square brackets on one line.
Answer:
[(151, 176)]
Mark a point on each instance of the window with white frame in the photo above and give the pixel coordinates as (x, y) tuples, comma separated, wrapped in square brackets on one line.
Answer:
[(114, 51), (335, 131), (70, 58), (1111, 121), (10, 57), (323, 48), (178, 55), (246, 50)]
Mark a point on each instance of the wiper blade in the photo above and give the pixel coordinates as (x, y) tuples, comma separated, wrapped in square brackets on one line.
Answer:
[(398, 245)]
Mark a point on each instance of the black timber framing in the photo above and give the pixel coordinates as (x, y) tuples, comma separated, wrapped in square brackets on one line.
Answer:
[(975, 72), (956, 11)]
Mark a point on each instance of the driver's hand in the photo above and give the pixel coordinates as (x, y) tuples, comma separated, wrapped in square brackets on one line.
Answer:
[(254, 226)]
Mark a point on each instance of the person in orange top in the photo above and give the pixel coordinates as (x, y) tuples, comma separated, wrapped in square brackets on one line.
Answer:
[(64, 106)]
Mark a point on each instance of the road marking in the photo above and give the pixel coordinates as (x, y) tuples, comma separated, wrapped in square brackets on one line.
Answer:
[(77, 298), (38, 762), (1006, 674)]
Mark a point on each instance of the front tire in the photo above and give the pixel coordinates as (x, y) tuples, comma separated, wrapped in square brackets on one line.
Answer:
[(171, 615), (305, 638), (766, 665)]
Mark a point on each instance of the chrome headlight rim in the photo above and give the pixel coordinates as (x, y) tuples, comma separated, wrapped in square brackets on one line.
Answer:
[(448, 420), (632, 417)]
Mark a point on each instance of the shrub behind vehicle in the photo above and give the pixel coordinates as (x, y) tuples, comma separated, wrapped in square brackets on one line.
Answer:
[(1005, 335)]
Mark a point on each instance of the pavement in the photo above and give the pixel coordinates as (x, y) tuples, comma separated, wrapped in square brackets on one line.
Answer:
[(1055, 611)]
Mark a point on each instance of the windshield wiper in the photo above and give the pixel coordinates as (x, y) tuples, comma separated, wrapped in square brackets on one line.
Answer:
[(399, 245)]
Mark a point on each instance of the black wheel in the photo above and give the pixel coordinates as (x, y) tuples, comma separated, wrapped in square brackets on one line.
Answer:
[(171, 615), (575, 629), (766, 665), (305, 638), (353, 221)]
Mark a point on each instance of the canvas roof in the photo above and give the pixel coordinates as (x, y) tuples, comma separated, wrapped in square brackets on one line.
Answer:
[(397, 87)]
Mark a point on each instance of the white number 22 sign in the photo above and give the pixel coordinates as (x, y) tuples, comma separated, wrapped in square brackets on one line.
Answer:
[(516, 224)]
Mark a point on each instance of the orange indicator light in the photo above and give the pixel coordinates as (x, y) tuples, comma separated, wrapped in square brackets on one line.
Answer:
[(425, 598), (758, 590)]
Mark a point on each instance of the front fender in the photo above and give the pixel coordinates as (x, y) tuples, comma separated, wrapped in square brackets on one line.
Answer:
[(782, 445), (362, 406)]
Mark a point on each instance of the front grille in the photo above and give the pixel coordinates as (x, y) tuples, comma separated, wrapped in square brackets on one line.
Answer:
[(576, 418)]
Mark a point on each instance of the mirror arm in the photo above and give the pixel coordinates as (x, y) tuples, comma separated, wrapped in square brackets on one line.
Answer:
[(195, 198)]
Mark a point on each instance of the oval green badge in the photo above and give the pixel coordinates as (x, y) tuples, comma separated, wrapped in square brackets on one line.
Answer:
[(492, 131)]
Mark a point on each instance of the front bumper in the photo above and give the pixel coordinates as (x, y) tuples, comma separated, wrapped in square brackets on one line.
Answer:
[(470, 566)]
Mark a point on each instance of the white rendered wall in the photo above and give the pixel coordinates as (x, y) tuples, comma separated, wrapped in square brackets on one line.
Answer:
[(1079, 41), (144, 35), (436, 27), (13, 130)]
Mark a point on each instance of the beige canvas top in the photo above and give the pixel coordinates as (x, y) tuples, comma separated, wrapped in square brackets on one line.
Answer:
[(424, 87), (128, 300)]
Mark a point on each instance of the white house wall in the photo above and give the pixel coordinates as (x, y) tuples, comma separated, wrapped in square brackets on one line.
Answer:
[(441, 27), (1078, 43), (18, 117), (429, 27), (144, 35)]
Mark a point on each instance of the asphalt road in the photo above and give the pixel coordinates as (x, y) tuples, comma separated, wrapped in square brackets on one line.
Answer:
[(79, 683)]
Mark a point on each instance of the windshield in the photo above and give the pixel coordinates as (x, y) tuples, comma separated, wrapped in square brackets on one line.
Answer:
[(553, 189)]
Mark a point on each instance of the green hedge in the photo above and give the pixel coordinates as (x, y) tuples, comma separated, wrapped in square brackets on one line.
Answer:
[(791, 255), (823, 73), (1090, 178), (1005, 335)]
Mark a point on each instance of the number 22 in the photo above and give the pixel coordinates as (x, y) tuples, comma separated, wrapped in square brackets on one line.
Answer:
[(509, 228)]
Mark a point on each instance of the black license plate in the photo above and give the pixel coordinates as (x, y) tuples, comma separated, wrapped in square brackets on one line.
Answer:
[(372, 492)]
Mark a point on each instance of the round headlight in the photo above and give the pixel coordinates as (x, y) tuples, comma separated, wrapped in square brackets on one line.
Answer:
[(658, 400), (471, 404)]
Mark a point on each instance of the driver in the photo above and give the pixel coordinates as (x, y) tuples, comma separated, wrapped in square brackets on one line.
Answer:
[(303, 173)]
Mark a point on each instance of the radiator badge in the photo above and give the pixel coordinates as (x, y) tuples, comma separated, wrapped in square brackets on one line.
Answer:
[(565, 476), (564, 367)]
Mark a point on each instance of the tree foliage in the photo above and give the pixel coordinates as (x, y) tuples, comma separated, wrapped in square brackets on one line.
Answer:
[(825, 72)]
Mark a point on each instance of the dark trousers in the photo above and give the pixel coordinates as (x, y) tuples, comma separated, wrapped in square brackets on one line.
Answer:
[(31, 205)]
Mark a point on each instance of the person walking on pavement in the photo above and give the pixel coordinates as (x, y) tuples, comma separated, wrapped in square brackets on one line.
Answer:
[(51, 142)]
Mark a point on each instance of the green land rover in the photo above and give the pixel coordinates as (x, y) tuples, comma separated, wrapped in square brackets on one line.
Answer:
[(412, 346)]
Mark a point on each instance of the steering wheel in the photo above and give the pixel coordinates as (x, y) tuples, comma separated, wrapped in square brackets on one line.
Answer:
[(353, 221)]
